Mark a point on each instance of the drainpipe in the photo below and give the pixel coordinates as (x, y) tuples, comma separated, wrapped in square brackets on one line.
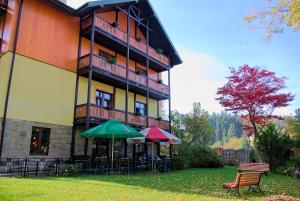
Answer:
[(10, 75)]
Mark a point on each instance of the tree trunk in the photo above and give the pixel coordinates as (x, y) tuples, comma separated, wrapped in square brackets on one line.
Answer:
[(256, 151)]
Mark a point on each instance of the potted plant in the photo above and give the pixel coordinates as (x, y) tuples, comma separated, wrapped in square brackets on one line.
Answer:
[(112, 60), (115, 24), (138, 114), (139, 72), (160, 51), (138, 39), (102, 54)]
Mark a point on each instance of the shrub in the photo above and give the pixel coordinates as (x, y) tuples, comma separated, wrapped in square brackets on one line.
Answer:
[(204, 156), (71, 169), (274, 145), (183, 159), (286, 170), (196, 156), (295, 161), (297, 142)]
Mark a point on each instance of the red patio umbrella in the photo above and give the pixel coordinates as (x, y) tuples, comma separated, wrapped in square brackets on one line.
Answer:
[(155, 134)]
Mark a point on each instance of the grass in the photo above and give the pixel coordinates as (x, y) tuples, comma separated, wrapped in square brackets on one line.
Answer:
[(185, 185)]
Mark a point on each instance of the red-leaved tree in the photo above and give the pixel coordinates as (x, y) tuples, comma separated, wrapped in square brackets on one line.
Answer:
[(253, 92)]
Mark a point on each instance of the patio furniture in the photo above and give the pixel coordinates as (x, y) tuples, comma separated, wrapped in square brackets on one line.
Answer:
[(112, 129), (251, 179), (124, 166), (257, 167)]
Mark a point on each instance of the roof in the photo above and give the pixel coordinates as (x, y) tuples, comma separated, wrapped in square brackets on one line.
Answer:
[(155, 23)]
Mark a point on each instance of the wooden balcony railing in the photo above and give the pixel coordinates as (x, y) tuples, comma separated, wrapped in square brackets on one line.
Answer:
[(160, 87), (159, 123), (119, 34), (103, 64), (140, 79), (97, 112)]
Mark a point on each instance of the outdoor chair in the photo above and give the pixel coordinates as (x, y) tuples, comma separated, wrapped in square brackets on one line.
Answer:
[(50, 167), (250, 179), (165, 166), (124, 166)]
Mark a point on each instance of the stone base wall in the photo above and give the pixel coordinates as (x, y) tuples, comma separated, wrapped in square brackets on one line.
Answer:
[(80, 141), (17, 139)]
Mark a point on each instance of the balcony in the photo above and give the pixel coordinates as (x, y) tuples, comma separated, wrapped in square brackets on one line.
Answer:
[(140, 81), (98, 114), (110, 34)]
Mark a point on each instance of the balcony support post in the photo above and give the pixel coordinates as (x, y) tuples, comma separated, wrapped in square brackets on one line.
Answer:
[(76, 92), (11, 71), (127, 65), (147, 69), (158, 105), (87, 126), (169, 83)]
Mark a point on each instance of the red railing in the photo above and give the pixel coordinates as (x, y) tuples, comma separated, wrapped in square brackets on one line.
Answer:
[(97, 112), (137, 120), (158, 86), (140, 79), (159, 123), (107, 27), (102, 63)]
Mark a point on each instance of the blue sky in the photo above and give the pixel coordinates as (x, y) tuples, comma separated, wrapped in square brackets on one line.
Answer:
[(211, 36)]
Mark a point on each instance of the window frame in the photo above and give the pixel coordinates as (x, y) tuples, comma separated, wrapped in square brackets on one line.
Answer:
[(145, 109), (38, 151), (101, 105)]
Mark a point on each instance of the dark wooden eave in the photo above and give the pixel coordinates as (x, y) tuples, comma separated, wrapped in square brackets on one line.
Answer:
[(159, 36)]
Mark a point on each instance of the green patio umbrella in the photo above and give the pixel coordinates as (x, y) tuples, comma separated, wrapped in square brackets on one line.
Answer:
[(112, 129)]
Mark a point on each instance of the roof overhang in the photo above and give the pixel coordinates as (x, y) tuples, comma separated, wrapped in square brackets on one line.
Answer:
[(165, 41)]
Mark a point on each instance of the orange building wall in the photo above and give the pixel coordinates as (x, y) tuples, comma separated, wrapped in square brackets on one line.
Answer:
[(49, 34), (52, 37)]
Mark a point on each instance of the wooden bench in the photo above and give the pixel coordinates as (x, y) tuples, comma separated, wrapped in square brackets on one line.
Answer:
[(251, 179), (257, 167)]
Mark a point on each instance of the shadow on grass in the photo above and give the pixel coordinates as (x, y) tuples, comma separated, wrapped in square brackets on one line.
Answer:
[(204, 182)]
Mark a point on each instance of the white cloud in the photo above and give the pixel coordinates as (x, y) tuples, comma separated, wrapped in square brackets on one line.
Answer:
[(76, 3), (197, 79)]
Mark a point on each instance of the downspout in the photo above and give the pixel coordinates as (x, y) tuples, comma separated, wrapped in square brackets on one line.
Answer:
[(10, 75)]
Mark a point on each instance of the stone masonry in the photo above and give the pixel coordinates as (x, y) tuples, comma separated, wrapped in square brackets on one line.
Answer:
[(17, 139)]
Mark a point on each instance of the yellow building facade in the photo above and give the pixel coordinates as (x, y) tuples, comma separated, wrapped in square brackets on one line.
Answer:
[(64, 70)]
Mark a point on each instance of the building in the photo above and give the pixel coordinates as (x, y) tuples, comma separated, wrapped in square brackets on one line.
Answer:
[(63, 70)]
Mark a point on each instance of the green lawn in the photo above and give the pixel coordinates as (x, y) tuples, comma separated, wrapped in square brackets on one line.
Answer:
[(192, 184)]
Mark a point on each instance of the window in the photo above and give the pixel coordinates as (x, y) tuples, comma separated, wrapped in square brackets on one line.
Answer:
[(104, 99), (140, 109), (39, 141)]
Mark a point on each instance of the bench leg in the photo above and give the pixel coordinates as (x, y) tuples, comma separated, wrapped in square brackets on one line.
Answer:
[(238, 191), (254, 189)]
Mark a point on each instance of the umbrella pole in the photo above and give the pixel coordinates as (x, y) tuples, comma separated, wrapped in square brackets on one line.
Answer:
[(112, 153)]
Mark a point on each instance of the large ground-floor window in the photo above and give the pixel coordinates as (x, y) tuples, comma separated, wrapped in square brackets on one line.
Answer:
[(40, 141)]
